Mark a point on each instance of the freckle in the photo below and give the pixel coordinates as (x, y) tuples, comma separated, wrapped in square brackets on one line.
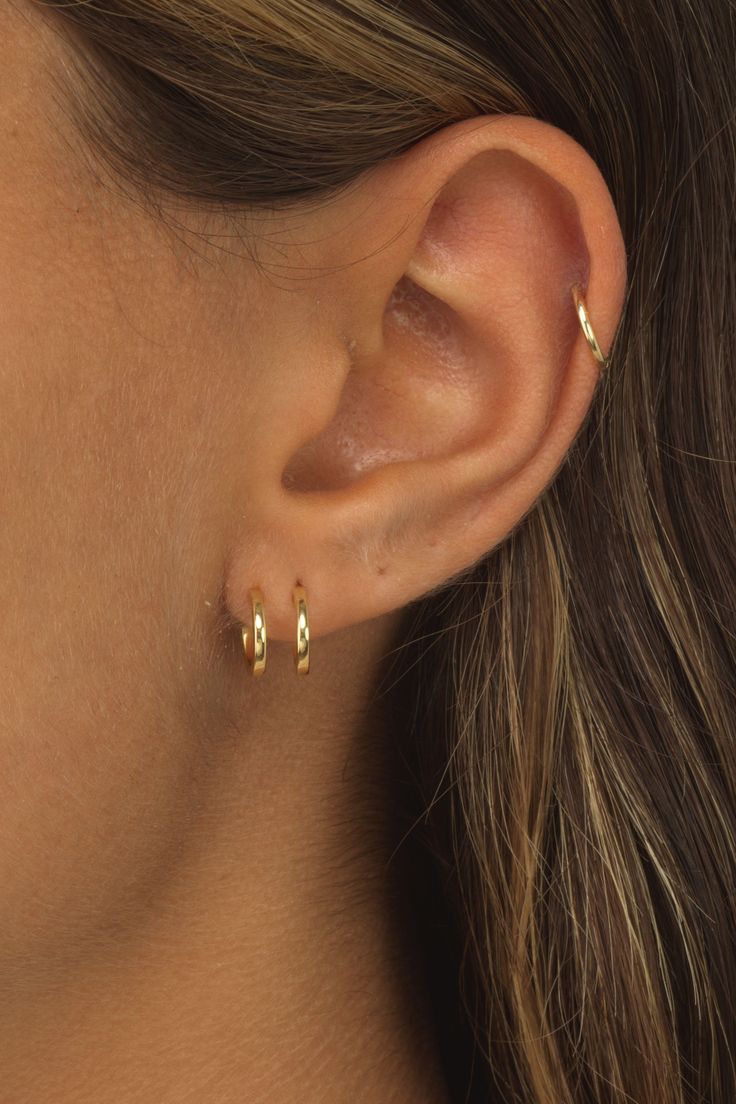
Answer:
[(382, 570)]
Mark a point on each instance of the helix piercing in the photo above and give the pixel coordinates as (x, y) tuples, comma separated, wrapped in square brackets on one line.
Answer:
[(590, 337)]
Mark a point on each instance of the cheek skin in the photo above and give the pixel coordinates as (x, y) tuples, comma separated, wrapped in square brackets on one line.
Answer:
[(101, 545), (127, 389), (109, 571), (93, 733)]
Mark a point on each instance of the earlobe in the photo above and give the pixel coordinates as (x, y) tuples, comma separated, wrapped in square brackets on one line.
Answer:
[(473, 366)]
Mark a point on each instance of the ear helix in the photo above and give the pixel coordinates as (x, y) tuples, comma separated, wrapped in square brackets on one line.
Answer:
[(254, 639)]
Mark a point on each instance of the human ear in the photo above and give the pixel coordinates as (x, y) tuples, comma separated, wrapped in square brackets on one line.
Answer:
[(451, 373)]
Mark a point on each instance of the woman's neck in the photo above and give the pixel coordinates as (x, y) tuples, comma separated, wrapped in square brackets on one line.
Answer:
[(266, 962)]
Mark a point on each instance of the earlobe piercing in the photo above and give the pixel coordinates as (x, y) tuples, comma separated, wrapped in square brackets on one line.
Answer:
[(582, 314), (254, 640), (301, 648)]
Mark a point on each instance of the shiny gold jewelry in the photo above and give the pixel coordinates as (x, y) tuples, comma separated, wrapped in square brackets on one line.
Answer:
[(587, 328), (301, 649), (254, 641)]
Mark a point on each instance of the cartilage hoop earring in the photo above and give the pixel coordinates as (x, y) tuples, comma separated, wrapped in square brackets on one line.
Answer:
[(301, 646), (254, 640), (582, 314)]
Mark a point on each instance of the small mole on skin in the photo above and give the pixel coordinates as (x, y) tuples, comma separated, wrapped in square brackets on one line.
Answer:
[(382, 570)]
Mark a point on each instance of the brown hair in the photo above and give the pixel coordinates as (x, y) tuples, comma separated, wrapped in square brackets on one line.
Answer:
[(567, 704)]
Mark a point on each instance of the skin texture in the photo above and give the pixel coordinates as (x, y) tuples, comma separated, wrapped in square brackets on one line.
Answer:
[(195, 905)]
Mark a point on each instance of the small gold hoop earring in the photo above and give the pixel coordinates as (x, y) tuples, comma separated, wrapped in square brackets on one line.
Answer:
[(582, 314), (256, 655), (301, 649)]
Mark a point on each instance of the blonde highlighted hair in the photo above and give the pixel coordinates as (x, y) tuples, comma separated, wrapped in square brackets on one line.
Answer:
[(566, 708)]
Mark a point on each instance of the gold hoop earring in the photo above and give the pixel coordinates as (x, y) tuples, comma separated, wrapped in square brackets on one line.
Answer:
[(590, 337), (256, 655), (301, 649)]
